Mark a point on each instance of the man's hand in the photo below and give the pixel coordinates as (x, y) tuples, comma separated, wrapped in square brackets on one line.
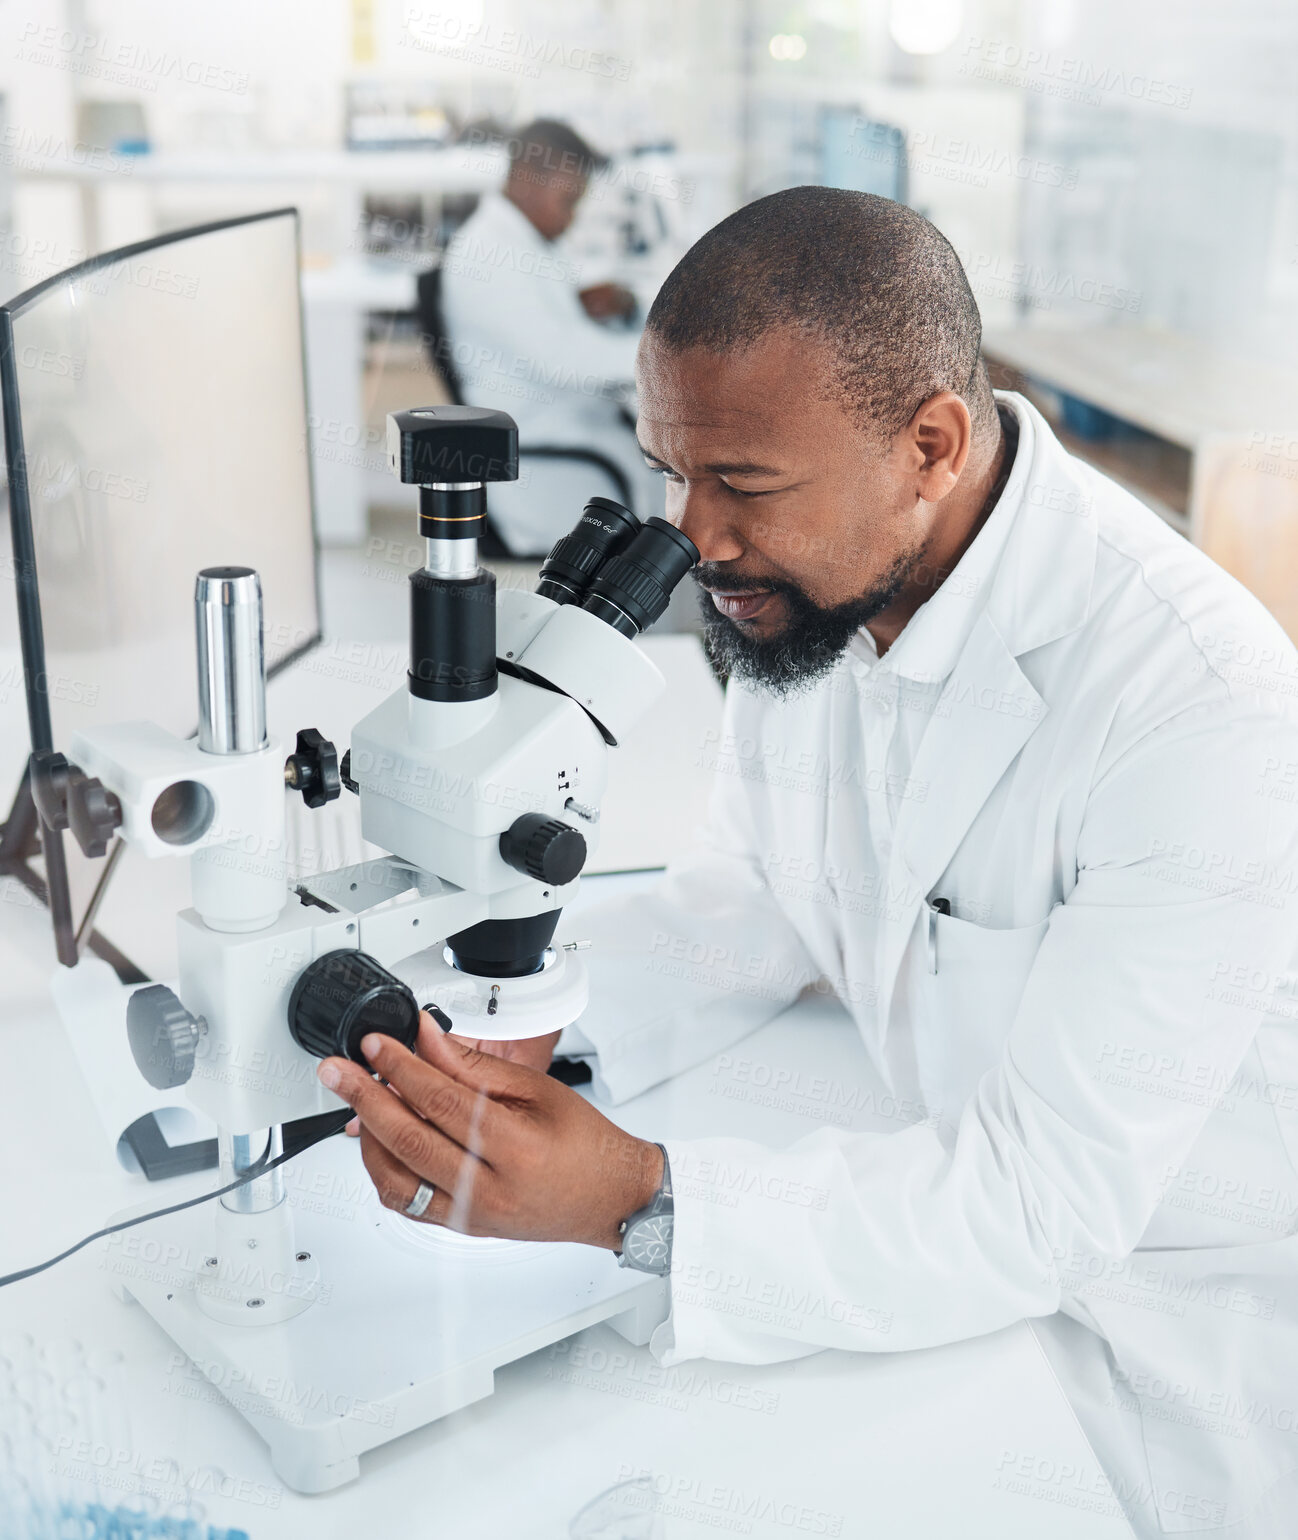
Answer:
[(508, 1151), (607, 301), (535, 1052)]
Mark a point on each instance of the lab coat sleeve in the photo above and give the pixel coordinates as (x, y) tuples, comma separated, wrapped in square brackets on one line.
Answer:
[(680, 972), (523, 323), (1186, 874), (560, 340)]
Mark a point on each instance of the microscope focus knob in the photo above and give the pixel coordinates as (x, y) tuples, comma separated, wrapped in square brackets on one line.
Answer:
[(544, 848), (341, 996), (163, 1036)]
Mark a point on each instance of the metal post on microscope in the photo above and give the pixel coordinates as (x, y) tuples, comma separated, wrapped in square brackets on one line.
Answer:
[(239, 885)]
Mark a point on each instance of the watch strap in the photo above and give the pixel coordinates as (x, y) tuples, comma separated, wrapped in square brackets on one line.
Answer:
[(665, 1187), (661, 1203)]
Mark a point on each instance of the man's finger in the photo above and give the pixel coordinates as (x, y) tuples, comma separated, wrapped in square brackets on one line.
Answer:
[(413, 1140), (396, 1184), (435, 1096), (486, 1073)]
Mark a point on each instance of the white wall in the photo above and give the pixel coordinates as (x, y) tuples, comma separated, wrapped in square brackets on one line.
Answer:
[(1152, 145), (1154, 179), (1180, 118), (267, 75)]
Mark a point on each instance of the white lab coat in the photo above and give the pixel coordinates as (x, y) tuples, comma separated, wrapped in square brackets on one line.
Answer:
[(1099, 771), (521, 341)]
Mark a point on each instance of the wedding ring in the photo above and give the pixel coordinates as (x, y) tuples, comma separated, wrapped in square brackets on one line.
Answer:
[(422, 1198)]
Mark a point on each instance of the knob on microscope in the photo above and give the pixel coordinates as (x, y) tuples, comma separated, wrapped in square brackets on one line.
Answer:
[(67, 798), (343, 995), (545, 848), (312, 768), (163, 1036)]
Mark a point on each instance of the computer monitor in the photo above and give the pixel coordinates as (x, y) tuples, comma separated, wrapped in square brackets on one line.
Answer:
[(861, 154), (155, 423)]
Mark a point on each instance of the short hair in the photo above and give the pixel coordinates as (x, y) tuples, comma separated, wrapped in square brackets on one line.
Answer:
[(548, 147), (872, 278)]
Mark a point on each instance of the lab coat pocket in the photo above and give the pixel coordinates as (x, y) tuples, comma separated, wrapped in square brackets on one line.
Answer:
[(968, 994)]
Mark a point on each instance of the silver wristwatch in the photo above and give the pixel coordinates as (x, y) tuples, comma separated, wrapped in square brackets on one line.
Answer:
[(647, 1234)]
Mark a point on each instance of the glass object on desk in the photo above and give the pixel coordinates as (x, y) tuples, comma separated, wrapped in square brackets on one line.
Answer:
[(628, 1511), (155, 418), (636, 1510)]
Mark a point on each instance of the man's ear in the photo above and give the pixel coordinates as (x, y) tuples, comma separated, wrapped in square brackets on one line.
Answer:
[(939, 437)]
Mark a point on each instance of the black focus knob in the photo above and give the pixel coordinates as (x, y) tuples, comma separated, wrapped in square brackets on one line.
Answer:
[(312, 768), (544, 848), (341, 996), (163, 1036)]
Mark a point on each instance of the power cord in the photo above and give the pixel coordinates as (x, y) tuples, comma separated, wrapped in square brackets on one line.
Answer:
[(335, 1123)]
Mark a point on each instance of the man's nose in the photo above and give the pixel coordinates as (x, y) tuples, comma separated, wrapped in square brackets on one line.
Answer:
[(700, 514)]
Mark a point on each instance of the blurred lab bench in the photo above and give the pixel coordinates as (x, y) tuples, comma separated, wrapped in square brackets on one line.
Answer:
[(1207, 439)]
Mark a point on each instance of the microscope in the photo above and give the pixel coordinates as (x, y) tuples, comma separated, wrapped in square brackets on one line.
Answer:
[(482, 779)]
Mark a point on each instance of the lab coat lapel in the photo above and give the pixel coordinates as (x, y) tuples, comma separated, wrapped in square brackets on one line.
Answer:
[(988, 709), (984, 716)]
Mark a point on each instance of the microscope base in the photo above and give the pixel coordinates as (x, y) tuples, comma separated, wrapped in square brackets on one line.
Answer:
[(410, 1323)]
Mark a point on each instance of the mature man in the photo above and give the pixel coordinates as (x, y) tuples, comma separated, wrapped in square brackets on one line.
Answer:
[(1006, 762), (529, 332)]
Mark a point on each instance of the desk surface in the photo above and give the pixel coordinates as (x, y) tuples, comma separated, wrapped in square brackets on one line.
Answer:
[(974, 1439), (1173, 386)]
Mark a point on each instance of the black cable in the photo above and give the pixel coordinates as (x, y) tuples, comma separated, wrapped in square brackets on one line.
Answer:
[(337, 1123)]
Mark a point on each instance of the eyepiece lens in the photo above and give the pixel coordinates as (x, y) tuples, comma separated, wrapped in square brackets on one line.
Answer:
[(604, 528), (633, 588)]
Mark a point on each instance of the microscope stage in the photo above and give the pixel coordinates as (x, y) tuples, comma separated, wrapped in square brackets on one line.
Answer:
[(410, 1322)]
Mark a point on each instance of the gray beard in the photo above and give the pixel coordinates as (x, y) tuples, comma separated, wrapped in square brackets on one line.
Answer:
[(813, 638)]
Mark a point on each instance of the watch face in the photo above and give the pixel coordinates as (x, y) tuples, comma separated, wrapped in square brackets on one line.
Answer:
[(648, 1244)]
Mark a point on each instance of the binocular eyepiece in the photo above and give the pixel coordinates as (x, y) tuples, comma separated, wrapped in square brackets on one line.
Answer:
[(616, 567)]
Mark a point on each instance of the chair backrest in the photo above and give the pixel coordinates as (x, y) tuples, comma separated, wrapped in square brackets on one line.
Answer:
[(432, 328)]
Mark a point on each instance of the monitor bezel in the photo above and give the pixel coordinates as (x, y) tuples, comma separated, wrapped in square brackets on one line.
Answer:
[(17, 844)]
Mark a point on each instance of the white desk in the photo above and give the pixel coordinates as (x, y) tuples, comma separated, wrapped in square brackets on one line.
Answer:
[(973, 1440)]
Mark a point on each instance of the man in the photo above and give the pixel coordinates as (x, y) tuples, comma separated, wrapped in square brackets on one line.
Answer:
[(526, 335), (1004, 760)]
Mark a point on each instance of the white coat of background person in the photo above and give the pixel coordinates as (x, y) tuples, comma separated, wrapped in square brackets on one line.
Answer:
[(1007, 764), (526, 335)]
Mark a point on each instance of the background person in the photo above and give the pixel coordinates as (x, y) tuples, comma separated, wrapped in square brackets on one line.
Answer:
[(525, 335)]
